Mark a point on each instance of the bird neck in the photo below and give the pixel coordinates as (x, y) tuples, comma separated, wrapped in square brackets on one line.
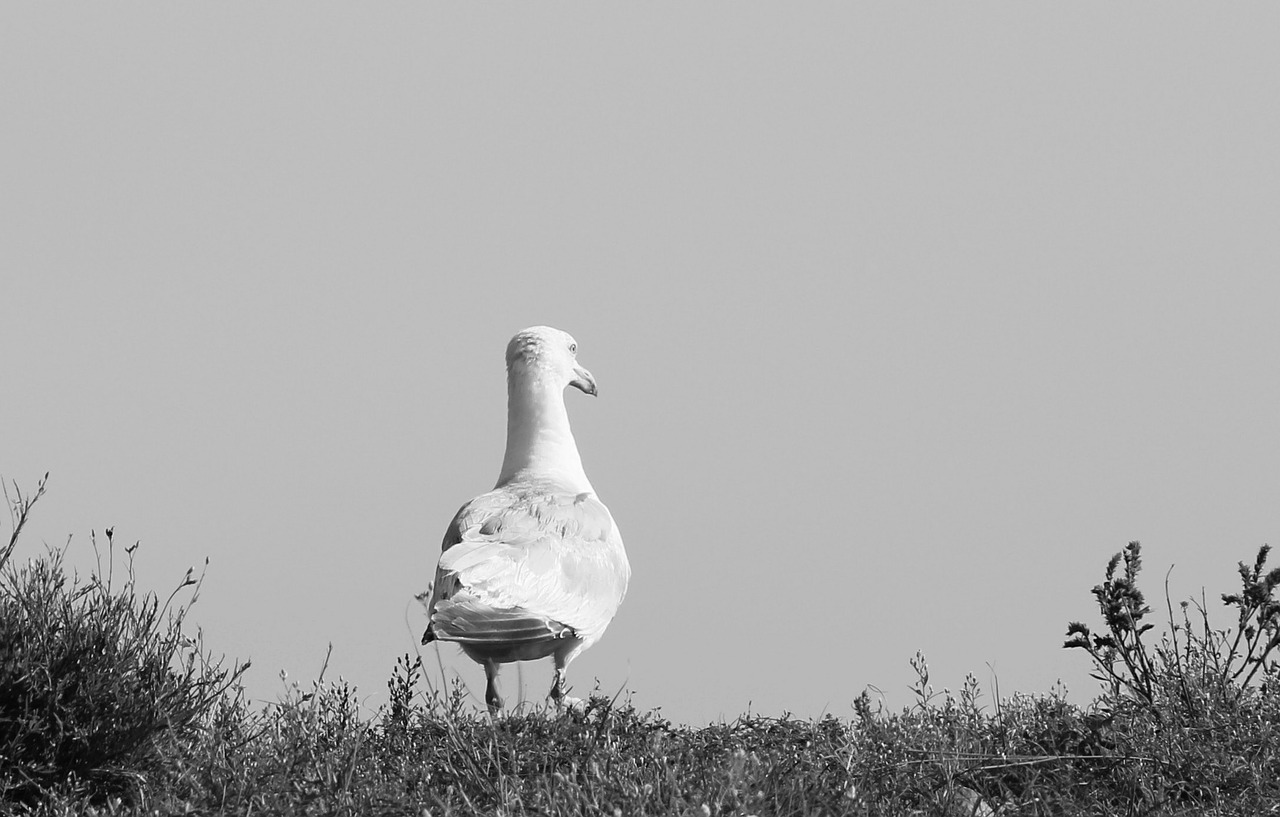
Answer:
[(539, 442)]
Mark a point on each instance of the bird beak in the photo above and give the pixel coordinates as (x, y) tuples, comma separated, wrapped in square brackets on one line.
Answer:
[(584, 381)]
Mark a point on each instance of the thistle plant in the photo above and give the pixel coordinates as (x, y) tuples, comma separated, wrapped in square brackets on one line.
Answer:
[(1258, 625), (1120, 657), (1193, 665)]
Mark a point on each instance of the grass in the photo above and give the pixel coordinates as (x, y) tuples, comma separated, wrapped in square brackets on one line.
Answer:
[(108, 707)]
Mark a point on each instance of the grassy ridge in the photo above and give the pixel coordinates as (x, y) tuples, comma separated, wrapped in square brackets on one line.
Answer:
[(107, 707)]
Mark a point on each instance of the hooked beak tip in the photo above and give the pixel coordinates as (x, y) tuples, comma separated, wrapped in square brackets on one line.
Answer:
[(584, 382)]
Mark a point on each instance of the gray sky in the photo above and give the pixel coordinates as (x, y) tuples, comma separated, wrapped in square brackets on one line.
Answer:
[(905, 317)]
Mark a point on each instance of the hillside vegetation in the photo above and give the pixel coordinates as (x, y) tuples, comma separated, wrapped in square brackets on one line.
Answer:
[(108, 706)]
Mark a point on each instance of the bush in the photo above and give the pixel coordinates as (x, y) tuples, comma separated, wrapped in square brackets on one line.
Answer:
[(1196, 711), (1194, 669), (96, 679)]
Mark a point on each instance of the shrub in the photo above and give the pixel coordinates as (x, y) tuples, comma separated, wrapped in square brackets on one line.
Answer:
[(96, 678), (1197, 711), (1194, 669)]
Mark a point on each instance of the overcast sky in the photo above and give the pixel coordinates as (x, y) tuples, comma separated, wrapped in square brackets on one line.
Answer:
[(905, 317)]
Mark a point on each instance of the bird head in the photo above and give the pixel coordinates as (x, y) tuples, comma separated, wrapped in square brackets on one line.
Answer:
[(550, 354)]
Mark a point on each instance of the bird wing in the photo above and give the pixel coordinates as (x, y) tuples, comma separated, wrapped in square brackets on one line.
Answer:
[(528, 563)]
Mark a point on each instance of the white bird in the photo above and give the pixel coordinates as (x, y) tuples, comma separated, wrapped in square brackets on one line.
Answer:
[(535, 567)]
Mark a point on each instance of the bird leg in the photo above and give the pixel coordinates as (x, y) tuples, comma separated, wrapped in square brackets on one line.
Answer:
[(559, 688), (491, 696)]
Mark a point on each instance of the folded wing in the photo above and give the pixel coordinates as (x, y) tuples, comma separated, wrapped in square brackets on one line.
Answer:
[(524, 566)]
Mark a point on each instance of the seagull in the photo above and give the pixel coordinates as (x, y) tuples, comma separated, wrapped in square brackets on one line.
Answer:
[(535, 567)]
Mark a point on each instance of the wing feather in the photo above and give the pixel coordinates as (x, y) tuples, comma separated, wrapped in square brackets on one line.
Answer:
[(528, 563)]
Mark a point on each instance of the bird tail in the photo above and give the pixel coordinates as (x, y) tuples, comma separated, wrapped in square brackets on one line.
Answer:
[(425, 599)]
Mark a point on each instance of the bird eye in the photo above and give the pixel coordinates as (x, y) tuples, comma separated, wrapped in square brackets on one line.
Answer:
[(573, 348)]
